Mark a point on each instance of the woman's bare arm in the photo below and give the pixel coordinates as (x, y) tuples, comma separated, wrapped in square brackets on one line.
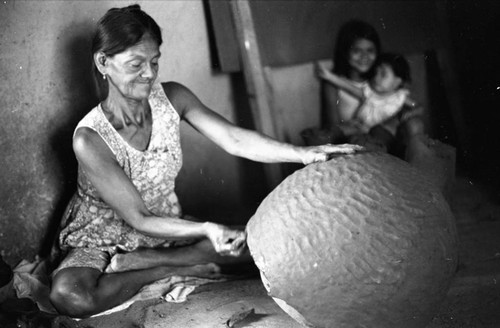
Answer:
[(330, 99), (410, 109), (115, 188), (242, 142), (338, 81)]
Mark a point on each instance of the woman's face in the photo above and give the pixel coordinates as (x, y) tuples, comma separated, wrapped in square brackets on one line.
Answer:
[(133, 71), (361, 56)]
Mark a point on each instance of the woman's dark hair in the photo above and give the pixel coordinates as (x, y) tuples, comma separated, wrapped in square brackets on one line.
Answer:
[(120, 29), (349, 33), (398, 63)]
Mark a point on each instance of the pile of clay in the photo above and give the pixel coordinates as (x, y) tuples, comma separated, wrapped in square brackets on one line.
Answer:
[(363, 240)]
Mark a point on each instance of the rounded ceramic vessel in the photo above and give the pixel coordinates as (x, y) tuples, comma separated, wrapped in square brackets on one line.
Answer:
[(363, 240)]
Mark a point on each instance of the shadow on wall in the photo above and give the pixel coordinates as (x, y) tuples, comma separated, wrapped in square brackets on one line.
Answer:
[(441, 121), (80, 95)]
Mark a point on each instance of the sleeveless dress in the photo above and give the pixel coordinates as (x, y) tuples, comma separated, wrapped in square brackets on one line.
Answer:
[(89, 222)]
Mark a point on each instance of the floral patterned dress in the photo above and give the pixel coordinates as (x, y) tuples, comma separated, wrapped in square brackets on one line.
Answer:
[(89, 222)]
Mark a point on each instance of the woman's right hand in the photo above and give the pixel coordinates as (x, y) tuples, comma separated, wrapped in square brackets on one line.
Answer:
[(226, 241)]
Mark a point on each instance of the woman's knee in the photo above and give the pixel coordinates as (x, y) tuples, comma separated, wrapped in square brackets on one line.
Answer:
[(414, 126), (70, 296)]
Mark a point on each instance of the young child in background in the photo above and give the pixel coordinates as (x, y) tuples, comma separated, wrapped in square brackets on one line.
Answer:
[(382, 99)]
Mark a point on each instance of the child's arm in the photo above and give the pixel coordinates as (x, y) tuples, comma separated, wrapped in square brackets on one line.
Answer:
[(338, 81)]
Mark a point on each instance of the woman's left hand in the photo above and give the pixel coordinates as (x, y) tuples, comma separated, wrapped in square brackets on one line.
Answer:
[(322, 153)]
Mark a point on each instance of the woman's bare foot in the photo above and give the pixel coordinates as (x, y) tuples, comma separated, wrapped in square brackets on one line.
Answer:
[(126, 262), (201, 252), (150, 258)]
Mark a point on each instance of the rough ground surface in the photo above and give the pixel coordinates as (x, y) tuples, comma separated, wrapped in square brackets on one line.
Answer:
[(472, 302), (474, 299)]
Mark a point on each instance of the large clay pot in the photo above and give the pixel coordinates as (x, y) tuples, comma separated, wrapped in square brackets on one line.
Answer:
[(362, 240)]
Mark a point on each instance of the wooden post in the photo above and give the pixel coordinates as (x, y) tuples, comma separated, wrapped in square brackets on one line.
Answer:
[(253, 71)]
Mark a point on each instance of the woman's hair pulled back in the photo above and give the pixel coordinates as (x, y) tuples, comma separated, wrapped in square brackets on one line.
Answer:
[(349, 33), (120, 29)]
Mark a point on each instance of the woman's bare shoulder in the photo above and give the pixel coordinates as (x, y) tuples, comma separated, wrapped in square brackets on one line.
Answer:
[(175, 90), (87, 144), (181, 97)]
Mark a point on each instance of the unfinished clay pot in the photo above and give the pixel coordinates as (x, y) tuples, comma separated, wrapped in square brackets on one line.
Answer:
[(362, 240)]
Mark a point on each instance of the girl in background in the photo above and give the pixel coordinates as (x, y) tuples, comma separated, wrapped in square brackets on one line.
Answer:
[(381, 100), (356, 51)]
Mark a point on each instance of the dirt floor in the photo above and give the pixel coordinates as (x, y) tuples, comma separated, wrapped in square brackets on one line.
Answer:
[(474, 298), (472, 302)]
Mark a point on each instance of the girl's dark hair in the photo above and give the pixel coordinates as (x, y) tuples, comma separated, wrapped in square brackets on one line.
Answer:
[(349, 33), (398, 63), (120, 29)]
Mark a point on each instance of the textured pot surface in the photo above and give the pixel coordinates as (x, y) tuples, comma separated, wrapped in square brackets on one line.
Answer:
[(359, 241)]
